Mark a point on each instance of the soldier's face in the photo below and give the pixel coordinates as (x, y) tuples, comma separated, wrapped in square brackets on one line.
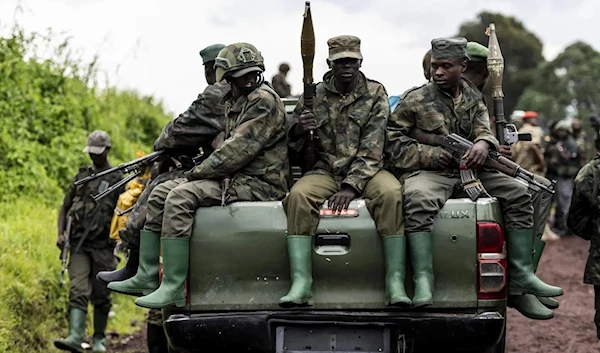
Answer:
[(345, 70), (446, 73), (99, 160), (209, 73), (248, 82)]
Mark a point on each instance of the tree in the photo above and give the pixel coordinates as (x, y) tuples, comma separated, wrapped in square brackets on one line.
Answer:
[(566, 86), (521, 49)]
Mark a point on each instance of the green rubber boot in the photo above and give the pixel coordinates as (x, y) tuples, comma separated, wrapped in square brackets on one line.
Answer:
[(421, 251), (538, 249), (100, 321), (176, 263), (300, 255), (522, 280), (145, 280), (394, 247), (76, 331), (530, 307)]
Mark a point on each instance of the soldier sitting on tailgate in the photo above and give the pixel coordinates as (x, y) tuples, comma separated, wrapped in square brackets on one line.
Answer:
[(451, 104), (349, 118), (253, 156)]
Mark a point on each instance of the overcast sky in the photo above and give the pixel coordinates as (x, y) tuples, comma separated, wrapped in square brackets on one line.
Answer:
[(152, 45)]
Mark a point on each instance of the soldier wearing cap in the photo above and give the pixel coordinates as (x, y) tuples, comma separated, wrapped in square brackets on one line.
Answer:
[(91, 248), (452, 104), (349, 118)]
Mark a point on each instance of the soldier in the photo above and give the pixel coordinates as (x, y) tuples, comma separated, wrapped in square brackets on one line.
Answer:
[(93, 248), (349, 117), (529, 154), (584, 221), (563, 160), (527, 304), (253, 156), (451, 104), (280, 85), (196, 128)]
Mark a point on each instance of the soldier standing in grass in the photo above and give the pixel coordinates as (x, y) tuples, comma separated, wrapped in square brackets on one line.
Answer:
[(91, 246)]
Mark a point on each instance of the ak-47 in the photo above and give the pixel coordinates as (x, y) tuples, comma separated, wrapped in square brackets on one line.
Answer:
[(307, 49), (64, 254), (136, 166), (458, 146), (506, 133)]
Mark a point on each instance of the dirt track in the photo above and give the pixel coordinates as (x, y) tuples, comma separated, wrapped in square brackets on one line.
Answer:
[(571, 330)]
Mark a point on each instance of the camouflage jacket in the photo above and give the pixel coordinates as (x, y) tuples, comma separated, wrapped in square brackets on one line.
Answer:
[(558, 164), (86, 214), (254, 153), (351, 130), (584, 215), (198, 125), (432, 110), (281, 86)]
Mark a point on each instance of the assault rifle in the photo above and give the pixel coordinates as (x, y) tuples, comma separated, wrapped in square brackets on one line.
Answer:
[(458, 146), (65, 250)]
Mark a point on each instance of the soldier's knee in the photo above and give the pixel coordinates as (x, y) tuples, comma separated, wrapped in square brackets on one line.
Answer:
[(158, 195), (298, 193)]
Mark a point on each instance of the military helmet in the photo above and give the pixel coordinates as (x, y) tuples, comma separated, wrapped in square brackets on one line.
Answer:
[(239, 59)]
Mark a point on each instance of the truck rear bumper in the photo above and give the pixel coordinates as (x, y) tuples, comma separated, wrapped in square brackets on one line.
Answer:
[(256, 331)]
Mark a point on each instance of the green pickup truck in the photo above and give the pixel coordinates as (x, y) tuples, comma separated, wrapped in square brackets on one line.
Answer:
[(239, 270)]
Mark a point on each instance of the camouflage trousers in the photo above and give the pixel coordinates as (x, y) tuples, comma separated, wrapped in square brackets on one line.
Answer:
[(542, 204), (137, 217), (177, 200), (425, 193), (383, 197), (85, 288)]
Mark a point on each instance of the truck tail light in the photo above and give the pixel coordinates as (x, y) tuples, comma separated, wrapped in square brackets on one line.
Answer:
[(491, 261), (327, 213)]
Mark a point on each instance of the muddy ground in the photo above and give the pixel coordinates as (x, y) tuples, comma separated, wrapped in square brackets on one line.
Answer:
[(571, 330)]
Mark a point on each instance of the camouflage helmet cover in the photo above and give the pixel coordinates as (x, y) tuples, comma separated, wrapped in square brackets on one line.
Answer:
[(239, 59)]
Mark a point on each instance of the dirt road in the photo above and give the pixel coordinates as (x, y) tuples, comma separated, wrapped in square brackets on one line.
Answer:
[(571, 330)]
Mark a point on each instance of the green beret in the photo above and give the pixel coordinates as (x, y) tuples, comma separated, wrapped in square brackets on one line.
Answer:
[(210, 53), (449, 48), (477, 52)]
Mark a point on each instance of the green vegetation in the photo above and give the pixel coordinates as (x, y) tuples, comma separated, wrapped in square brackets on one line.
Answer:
[(47, 109)]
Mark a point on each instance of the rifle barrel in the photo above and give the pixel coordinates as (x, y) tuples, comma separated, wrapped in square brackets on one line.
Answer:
[(127, 167), (115, 186)]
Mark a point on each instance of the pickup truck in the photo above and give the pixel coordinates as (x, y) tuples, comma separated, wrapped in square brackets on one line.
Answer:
[(239, 270)]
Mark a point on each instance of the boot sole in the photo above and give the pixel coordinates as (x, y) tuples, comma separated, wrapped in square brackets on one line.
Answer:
[(178, 304), (65, 347), (537, 294), (135, 294), (552, 305), (302, 304)]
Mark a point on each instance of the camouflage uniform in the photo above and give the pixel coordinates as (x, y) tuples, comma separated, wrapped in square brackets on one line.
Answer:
[(195, 128), (280, 85), (259, 168), (90, 231), (427, 186), (563, 169), (584, 220), (253, 155), (351, 131)]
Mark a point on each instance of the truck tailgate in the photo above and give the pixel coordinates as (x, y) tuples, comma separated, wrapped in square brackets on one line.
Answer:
[(238, 259)]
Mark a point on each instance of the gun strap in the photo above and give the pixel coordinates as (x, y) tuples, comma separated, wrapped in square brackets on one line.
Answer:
[(470, 183)]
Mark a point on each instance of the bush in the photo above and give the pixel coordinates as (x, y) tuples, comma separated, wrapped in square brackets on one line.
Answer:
[(47, 109)]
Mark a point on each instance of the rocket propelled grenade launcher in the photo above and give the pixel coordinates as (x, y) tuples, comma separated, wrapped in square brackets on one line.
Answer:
[(505, 133), (307, 50)]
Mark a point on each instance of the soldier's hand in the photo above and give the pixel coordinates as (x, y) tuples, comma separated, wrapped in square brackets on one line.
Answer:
[(341, 200), (506, 151), (446, 159), (477, 154), (306, 122), (60, 242)]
